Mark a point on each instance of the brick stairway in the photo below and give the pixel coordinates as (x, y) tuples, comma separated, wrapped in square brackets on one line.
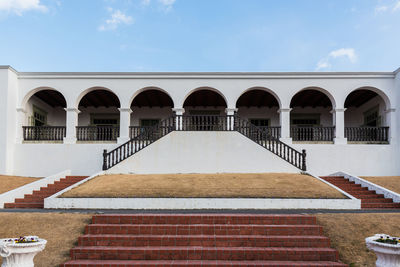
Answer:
[(36, 199), (369, 199), (203, 240)]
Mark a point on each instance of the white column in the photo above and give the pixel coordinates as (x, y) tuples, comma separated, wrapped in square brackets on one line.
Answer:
[(285, 125), (338, 122), (21, 121), (124, 123), (178, 112), (390, 121), (230, 123), (71, 123)]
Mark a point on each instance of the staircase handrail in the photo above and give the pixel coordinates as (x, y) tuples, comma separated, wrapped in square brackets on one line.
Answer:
[(148, 136), (271, 143)]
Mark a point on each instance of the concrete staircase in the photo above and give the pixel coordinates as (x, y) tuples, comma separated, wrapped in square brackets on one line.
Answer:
[(203, 240), (36, 199), (369, 199)]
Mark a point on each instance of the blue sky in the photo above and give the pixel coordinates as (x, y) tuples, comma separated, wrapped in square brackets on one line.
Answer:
[(200, 35)]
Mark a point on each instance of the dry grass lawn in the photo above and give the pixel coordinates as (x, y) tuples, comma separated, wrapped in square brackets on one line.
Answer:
[(60, 230), (348, 232), (263, 185), (8, 183), (389, 182)]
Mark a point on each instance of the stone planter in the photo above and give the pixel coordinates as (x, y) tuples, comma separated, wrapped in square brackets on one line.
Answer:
[(20, 254), (388, 255)]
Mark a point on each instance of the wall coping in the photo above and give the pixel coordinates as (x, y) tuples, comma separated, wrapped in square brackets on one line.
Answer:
[(201, 75)]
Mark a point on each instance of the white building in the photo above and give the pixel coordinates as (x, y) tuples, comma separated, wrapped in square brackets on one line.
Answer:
[(204, 122)]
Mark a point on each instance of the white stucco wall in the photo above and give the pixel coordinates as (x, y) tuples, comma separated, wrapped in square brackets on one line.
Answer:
[(203, 152), (41, 160), (18, 87)]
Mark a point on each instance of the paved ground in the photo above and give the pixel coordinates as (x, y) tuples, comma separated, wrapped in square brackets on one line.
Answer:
[(280, 211)]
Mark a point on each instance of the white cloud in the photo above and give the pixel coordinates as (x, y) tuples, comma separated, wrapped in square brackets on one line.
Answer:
[(19, 6), (117, 18), (397, 6), (348, 53), (323, 64), (167, 4), (380, 9), (344, 52)]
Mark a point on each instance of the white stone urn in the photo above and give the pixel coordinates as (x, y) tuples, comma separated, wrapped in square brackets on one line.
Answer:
[(388, 255), (20, 254)]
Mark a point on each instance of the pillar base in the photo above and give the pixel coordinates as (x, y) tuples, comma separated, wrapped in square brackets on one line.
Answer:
[(340, 141), (70, 140), (122, 139), (286, 140)]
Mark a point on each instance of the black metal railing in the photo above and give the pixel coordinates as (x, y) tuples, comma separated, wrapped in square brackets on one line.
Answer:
[(145, 138), (135, 131), (312, 133), (367, 134), (43, 133), (204, 123), (271, 143), (97, 133), (275, 131), (148, 135)]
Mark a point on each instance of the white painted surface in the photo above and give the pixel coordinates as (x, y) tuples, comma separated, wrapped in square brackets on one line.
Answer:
[(371, 186), (19, 192), (45, 159), (27, 159), (203, 152), (362, 159), (200, 203)]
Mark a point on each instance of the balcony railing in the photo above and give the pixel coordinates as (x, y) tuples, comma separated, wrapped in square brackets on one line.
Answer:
[(304, 133), (135, 131), (97, 133), (205, 123), (43, 133), (367, 134)]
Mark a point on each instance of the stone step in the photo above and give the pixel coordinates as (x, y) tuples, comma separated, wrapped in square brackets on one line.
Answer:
[(230, 219), (199, 263), (202, 253), (204, 240), (202, 229)]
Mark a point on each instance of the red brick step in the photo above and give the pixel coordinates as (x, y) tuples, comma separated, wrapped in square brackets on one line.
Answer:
[(369, 198), (199, 263), (205, 253), (36, 199), (204, 240)]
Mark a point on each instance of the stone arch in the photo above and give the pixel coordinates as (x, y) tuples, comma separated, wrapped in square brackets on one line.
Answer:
[(32, 92), (261, 89), (88, 90), (378, 91), (206, 88), (138, 92), (319, 89)]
